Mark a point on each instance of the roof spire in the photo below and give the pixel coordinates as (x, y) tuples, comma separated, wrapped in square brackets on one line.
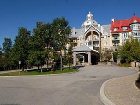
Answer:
[(89, 16), (134, 14)]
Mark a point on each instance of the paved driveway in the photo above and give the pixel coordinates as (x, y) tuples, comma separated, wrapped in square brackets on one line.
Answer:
[(81, 88)]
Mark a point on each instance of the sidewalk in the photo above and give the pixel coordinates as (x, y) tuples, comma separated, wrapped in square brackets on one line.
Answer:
[(1, 72), (122, 91)]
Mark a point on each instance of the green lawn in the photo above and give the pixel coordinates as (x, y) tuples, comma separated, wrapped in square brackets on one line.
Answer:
[(35, 72), (125, 65)]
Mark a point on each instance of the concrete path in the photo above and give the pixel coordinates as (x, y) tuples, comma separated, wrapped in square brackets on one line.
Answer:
[(122, 91), (81, 88)]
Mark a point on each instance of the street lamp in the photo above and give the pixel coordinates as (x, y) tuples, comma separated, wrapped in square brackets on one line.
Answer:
[(19, 62)]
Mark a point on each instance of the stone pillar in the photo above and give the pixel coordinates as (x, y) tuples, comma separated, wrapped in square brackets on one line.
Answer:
[(74, 58), (83, 59), (89, 58), (100, 46)]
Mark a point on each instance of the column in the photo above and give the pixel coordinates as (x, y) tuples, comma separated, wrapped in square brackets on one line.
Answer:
[(74, 58), (83, 59), (100, 46), (89, 58)]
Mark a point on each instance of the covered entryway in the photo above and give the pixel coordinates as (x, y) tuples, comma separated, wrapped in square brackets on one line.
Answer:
[(83, 55), (95, 58)]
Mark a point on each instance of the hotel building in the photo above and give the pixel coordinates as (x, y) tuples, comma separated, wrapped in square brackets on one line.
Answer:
[(92, 38)]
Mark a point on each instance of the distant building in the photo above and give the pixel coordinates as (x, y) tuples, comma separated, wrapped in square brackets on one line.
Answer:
[(121, 30), (92, 38), (89, 40)]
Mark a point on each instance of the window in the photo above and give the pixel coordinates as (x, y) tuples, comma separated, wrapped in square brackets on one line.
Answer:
[(115, 29), (124, 28), (81, 44), (89, 43), (116, 37), (135, 33)]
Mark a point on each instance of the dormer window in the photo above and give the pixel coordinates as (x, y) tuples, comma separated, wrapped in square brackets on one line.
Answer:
[(124, 28), (135, 21), (115, 29)]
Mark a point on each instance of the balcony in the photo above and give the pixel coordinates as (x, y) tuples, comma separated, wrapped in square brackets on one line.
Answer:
[(96, 45), (96, 48), (115, 38), (96, 39)]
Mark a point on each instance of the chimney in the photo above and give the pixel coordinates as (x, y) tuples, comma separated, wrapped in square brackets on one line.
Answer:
[(74, 30), (113, 20)]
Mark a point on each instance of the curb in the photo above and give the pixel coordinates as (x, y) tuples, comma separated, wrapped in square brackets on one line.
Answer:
[(38, 75), (103, 97)]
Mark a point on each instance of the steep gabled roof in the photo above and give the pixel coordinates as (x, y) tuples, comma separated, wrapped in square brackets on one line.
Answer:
[(77, 32), (134, 19), (124, 23)]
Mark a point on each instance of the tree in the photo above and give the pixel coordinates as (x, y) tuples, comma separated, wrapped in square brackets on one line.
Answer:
[(130, 51), (37, 58), (69, 55), (20, 48), (1, 60), (61, 32), (37, 54), (7, 45), (107, 55), (48, 39), (0, 52), (115, 56)]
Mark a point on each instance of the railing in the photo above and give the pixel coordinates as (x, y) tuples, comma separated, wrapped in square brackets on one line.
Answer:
[(96, 45), (96, 39), (116, 38)]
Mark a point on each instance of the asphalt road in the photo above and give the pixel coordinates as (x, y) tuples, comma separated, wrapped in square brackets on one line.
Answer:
[(81, 88)]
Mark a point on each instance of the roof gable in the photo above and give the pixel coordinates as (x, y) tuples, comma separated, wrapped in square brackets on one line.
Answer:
[(91, 28), (82, 48)]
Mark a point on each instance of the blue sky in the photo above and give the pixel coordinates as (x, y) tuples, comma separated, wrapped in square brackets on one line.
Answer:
[(25, 13)]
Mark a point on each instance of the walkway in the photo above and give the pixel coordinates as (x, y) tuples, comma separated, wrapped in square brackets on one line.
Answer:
[(81, 88), (122, 91)]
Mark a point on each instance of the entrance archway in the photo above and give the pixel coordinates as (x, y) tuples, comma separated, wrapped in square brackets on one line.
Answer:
[(95, 58), (82, 58)]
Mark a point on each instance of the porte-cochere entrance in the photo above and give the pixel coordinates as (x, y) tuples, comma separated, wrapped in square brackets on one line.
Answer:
[(85, 56)]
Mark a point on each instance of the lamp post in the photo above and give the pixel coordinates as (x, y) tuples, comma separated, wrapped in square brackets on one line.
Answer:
[(19, 66), (61, 65)]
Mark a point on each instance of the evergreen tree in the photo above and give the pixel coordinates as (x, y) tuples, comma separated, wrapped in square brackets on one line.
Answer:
[(20, 48), (7, 45)]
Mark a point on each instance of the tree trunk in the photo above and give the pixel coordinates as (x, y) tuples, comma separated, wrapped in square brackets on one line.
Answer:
[(47, 64), (41, 69), (69, 63), (38, 67), (61, 61)]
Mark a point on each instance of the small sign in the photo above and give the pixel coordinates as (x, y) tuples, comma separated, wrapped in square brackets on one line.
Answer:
[(19, 62)]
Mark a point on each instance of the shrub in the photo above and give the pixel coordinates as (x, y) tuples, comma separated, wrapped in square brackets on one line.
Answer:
[(138, 82)]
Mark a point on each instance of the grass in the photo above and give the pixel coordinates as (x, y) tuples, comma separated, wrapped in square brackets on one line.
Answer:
[(36, 72), (125, 65)]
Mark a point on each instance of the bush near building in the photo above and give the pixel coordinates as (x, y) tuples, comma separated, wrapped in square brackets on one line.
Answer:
[(130, 51), (138, 82)]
